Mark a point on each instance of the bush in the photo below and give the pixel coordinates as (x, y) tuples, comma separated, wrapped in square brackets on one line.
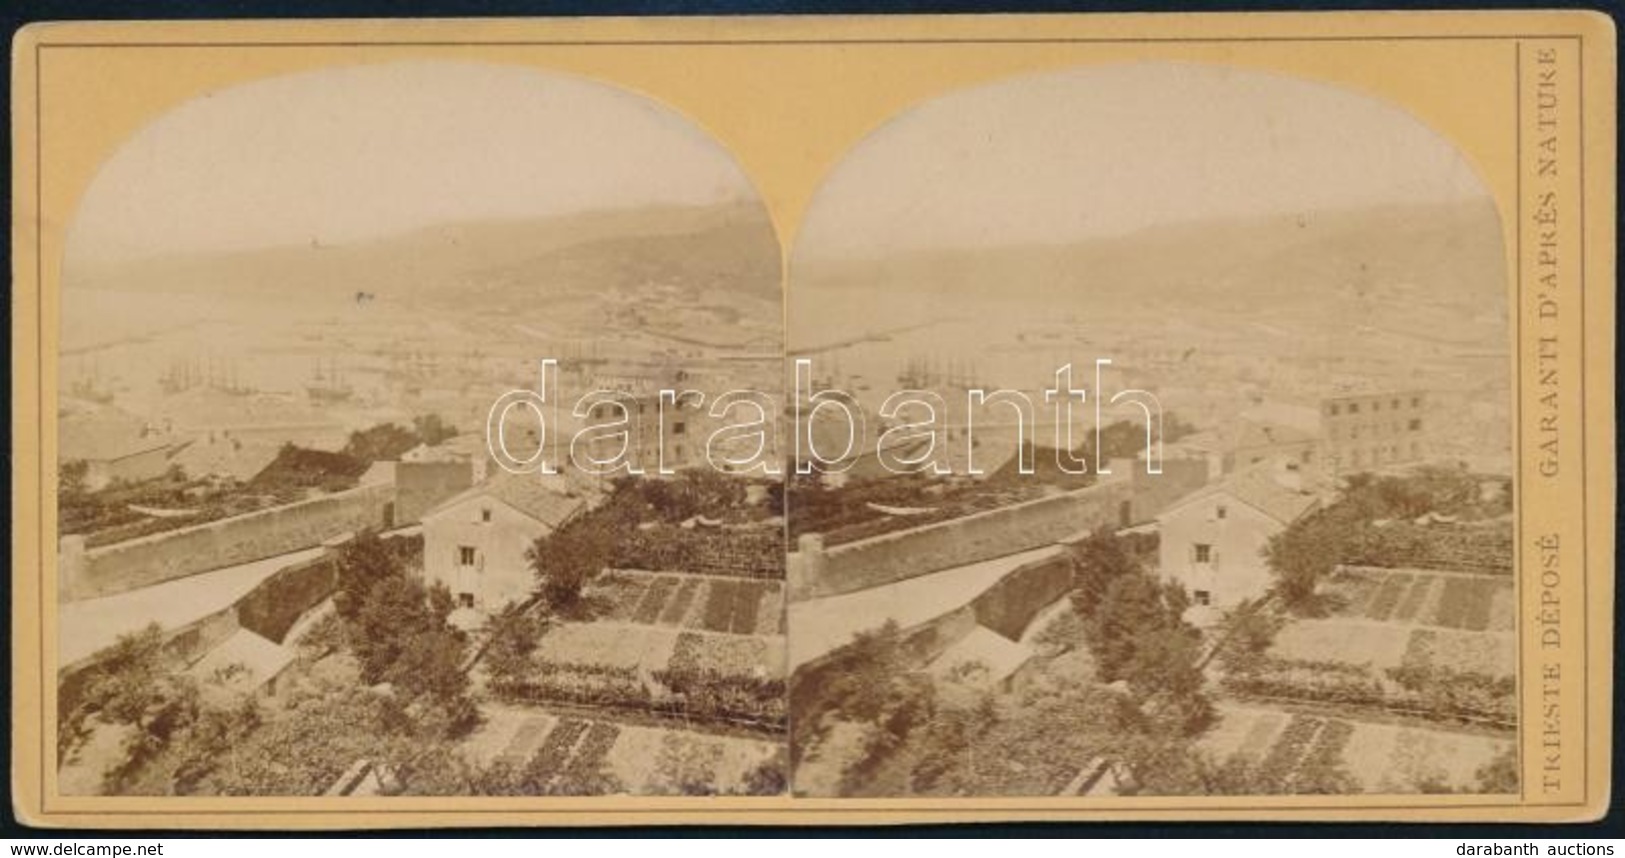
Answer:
[(1347, 533), (566, 559), (1098, 561)]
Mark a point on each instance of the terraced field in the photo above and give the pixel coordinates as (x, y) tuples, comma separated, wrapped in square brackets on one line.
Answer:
[(1452, 600), (643, 760), (702, 602), (1381, 757), (629, 646)]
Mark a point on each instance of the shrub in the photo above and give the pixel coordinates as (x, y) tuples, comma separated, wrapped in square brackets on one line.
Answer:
[(566, 559)]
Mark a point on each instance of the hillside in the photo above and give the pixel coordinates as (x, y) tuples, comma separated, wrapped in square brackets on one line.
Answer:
[(503, 263), (1400, 268)]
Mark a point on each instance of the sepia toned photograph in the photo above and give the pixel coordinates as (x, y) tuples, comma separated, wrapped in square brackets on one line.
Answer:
[(306, 543), (751, 421), (1184, 460)]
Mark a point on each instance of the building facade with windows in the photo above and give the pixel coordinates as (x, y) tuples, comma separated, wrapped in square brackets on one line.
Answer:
[(1370, 431), (477, 543), (1212, 541)]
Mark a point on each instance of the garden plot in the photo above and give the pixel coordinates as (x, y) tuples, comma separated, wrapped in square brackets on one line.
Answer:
[(1288, 748), (629, 646), (1388, 758), (1456, 600), (707, 602), (761, 657), (640, 759), (563, 745), (1381, 757), (611, 645), (507, 733), (1489, 653), (668, 761), (1348, 641), (1245, 730)]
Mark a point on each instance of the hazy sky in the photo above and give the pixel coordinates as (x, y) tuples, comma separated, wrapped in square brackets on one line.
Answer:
[(355, 152), (1102, 151)]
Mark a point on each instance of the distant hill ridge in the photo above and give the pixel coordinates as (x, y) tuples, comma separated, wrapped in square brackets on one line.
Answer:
[(731, 245), (1453, 252)]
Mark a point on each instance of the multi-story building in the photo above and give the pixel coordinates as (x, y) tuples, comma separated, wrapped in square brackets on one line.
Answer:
[(1212, 540), (1372, 430), (477, 542)]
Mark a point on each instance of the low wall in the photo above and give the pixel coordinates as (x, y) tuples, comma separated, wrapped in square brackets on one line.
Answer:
[(87, 573), (272, 608), (1009, 606), (1128, 496), (985, 535), (181, 647)]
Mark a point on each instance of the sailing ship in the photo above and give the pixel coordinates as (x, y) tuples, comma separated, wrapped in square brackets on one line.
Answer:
[(328, 385)]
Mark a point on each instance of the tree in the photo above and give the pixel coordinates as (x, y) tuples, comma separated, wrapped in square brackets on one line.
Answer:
[(1308, 550), (1138, 634), (431, 429), (132, 684), (514, 635), (566, 559), (400, 636), (362, 563), (381, 443), (72, 479), (1246, 633), (1098, 561), (1133, 606)]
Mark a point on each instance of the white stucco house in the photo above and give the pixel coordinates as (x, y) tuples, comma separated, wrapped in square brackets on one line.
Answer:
[(1212, 540), (476, 541)]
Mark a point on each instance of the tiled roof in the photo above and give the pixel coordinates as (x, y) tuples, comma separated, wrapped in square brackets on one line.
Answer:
[(539, 497), (225, 457), (1260, 488)]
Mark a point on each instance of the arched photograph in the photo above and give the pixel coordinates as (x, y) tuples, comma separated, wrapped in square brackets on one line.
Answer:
[(366, 485), (1159, 443)]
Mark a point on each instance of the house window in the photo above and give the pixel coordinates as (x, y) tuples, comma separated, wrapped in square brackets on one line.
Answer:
[(465, 600), (1416, 402), (1394, 405), (1416, 425), (1354, 408), (679, 427), (1220, 511), (485, 514), (1332, 410), (1204, 552), (1202, 597), (465, 555)]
